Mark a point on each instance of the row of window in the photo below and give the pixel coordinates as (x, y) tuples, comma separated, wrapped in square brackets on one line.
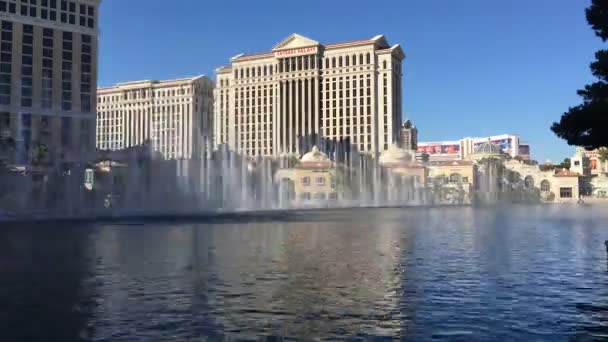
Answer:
[(85, 74), (48, 10), (47, 68), (27, 66), (318, 181), (302, 63), (6, 57), (319, 196), (143, 94)]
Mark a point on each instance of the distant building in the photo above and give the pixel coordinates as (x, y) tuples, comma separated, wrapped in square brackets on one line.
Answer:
[(581, 164), (174, 116), (48, 77), (464, 148), (408, 136), (267, 102)]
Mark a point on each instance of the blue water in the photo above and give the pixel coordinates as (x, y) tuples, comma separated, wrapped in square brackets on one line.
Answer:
[(535, 273)]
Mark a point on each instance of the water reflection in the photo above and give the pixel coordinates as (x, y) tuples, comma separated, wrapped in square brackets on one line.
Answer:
[(530, 273), (43, 293)]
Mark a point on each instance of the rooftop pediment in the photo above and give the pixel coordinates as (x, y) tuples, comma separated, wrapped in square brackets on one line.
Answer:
[(295, 41)]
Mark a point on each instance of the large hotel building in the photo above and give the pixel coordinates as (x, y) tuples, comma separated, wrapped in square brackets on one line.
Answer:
[(266, 103), (48, 76), (175, 116)]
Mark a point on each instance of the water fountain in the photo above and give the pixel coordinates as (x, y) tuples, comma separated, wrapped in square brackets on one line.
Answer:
[(140, 182)]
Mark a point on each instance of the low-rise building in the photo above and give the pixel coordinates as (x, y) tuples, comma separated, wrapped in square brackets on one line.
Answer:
[(402, 162), (559, 186), (457, 174), (314, 179)]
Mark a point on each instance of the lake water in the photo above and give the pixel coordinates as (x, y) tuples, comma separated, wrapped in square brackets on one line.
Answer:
[(535, 273)]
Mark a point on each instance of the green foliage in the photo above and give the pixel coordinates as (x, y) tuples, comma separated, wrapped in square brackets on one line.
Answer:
[(39, 154), (597, 16), (586, 125), (566, 164), (546, 167), (602, 154)]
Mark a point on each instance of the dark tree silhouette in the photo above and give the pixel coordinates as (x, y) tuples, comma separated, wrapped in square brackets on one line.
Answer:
[(586, 125)]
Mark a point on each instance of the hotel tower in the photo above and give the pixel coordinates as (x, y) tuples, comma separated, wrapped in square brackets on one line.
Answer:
[(48, 77), (266, 103), (174, 116)]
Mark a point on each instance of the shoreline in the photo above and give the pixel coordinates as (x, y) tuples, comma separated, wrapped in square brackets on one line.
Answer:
[(141, 218)]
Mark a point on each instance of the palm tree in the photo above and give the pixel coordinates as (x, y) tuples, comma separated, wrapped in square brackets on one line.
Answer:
[(39, 154)]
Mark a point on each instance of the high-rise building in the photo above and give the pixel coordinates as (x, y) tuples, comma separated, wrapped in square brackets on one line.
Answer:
[(48, 76), (175, 116), (409, 136), (268, 103)]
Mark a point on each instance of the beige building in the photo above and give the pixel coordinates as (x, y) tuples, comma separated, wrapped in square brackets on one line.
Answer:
[(402, 162), (175, 116), (266, 103), (48, 76), (457, 173), (554, 186), (313, 178)]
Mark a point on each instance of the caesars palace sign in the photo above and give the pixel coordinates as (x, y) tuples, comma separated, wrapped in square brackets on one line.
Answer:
[(296, 52)]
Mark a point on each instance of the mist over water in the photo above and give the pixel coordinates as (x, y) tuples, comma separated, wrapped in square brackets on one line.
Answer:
[(475, 274)]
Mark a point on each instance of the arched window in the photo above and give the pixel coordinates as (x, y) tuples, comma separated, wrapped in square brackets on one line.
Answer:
[(327, 63), (299, 63), (241, 73), (236, 74), (529, 182), (270, 69), (340, 61), (287, 64), (384, 65), (259, 71), (513, 177), (545, 186), (265, 72), (333, 62), (455, 178), (354, 60), (247, 72), (368, 58), (347, 60)]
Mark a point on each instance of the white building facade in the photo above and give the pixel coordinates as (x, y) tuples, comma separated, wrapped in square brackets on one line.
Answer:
[(174, 116), (267, 104)]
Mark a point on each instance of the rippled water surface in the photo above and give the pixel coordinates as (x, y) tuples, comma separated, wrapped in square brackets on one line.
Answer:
[(520, 273)]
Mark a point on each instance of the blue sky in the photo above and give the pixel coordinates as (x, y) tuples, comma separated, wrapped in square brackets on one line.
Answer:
[(473, 67)]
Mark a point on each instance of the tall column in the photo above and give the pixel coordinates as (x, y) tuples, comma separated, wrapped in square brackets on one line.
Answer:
[(254, 113), (351, 109), (298, 115), (284, 117), (316, 115), (290, 116), (309, 111)]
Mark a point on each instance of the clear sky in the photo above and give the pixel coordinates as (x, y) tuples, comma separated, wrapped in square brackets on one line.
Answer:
[(473, 67)]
